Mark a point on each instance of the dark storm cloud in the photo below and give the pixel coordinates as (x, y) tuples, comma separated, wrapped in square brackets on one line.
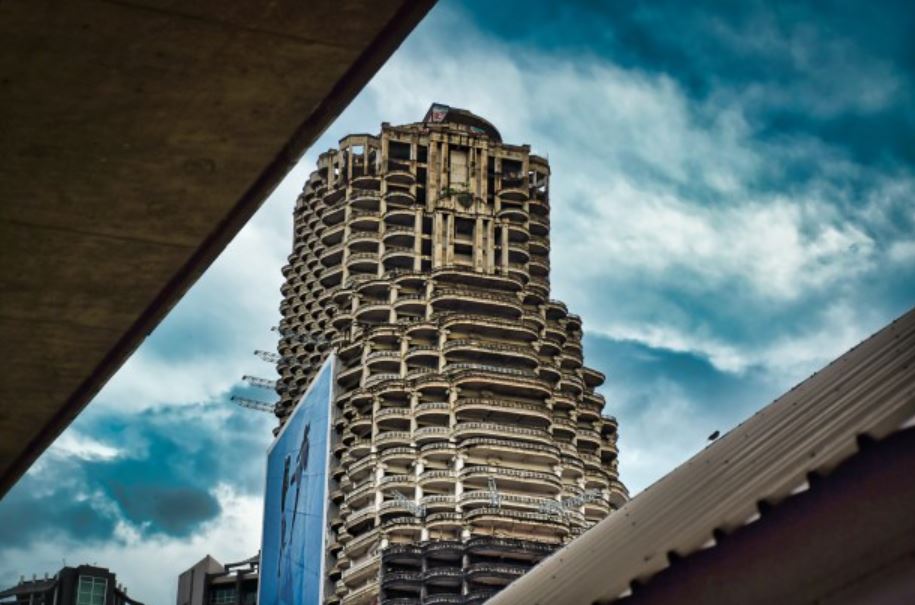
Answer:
[(44, 504), (840, 72), (161, 482)]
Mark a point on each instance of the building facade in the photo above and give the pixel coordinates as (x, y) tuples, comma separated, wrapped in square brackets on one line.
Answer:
[(471, 441), (209, 582), (81, 585)]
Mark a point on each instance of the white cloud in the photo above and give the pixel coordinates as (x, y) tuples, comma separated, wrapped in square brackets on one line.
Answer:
[(75, 444)]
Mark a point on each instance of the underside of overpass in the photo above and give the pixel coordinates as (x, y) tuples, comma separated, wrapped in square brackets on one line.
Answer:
[(139, 136)]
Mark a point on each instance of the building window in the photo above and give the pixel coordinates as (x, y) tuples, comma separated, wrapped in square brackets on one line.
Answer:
[(222, 596), (91, 590)]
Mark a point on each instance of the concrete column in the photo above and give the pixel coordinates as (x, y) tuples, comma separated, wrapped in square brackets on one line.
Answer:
[(504, 244), (418, 240), (490, 246), (449, 239), (478, 245), (438, 240)]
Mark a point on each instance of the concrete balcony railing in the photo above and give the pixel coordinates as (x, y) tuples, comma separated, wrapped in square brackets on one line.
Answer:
[(484, 429), (431, 433), (432, 407), (485, 472), (393, 437), (360, 569), (503, 405)]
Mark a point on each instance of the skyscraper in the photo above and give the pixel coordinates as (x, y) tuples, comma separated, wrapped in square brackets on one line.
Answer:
[(471, 441)]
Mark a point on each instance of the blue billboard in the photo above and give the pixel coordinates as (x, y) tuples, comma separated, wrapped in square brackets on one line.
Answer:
[(296, 500)]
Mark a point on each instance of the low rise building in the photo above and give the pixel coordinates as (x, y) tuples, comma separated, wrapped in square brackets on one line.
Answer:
[(81, 585), (211, 582)]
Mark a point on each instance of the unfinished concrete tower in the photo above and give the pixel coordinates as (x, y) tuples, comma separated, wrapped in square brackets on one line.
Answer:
[(471, 442)]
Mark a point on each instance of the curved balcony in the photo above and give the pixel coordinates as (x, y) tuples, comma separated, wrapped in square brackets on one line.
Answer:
[(498, 574), (334, 195), (360, 596), (332, 276), (444, 521), (442, 451), (588, 436), (571, 385), (423, 355), (476, 348), (518, 253), (461, 276), (361, 570), (411, 303), (539, 225), (360, 516), (376, 380), (402, 580), (364, 220), (437, 478), (514, 479), (486, 405), (383, 361), (593, 378), (540, 523), (397, 454), (363, 241), (399, 236), (332, 235), (514, 189), (538, 267), (333, 215), (399, 197), (443, 550), (484, 376), (548, 371), (478, 597), (536, 453), (477, 498), (444, 576), (392, 439), (430, 409), (400, 216), (342, 321), (349, 377), (428, 434), (363, 262), (464, 299), (410, 526), (494, 547), (570, 363), (591, 462), (564, 425), (439, 502), (443, 599), (399, 172), (465, 430), (365, 181), (513, 213), (402, 554), (397, 257), (487, 325), (385, 415)]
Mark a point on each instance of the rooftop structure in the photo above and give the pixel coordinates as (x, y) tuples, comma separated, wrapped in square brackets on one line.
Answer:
[(471, 440), (82, 585)]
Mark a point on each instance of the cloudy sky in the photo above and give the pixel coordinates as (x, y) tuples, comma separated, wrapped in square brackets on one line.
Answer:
[(732, 208)]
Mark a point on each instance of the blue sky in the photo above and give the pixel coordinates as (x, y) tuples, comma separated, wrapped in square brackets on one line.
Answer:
[(732, 208)]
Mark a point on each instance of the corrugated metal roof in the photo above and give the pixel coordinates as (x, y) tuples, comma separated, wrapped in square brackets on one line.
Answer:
[(814, 427)]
